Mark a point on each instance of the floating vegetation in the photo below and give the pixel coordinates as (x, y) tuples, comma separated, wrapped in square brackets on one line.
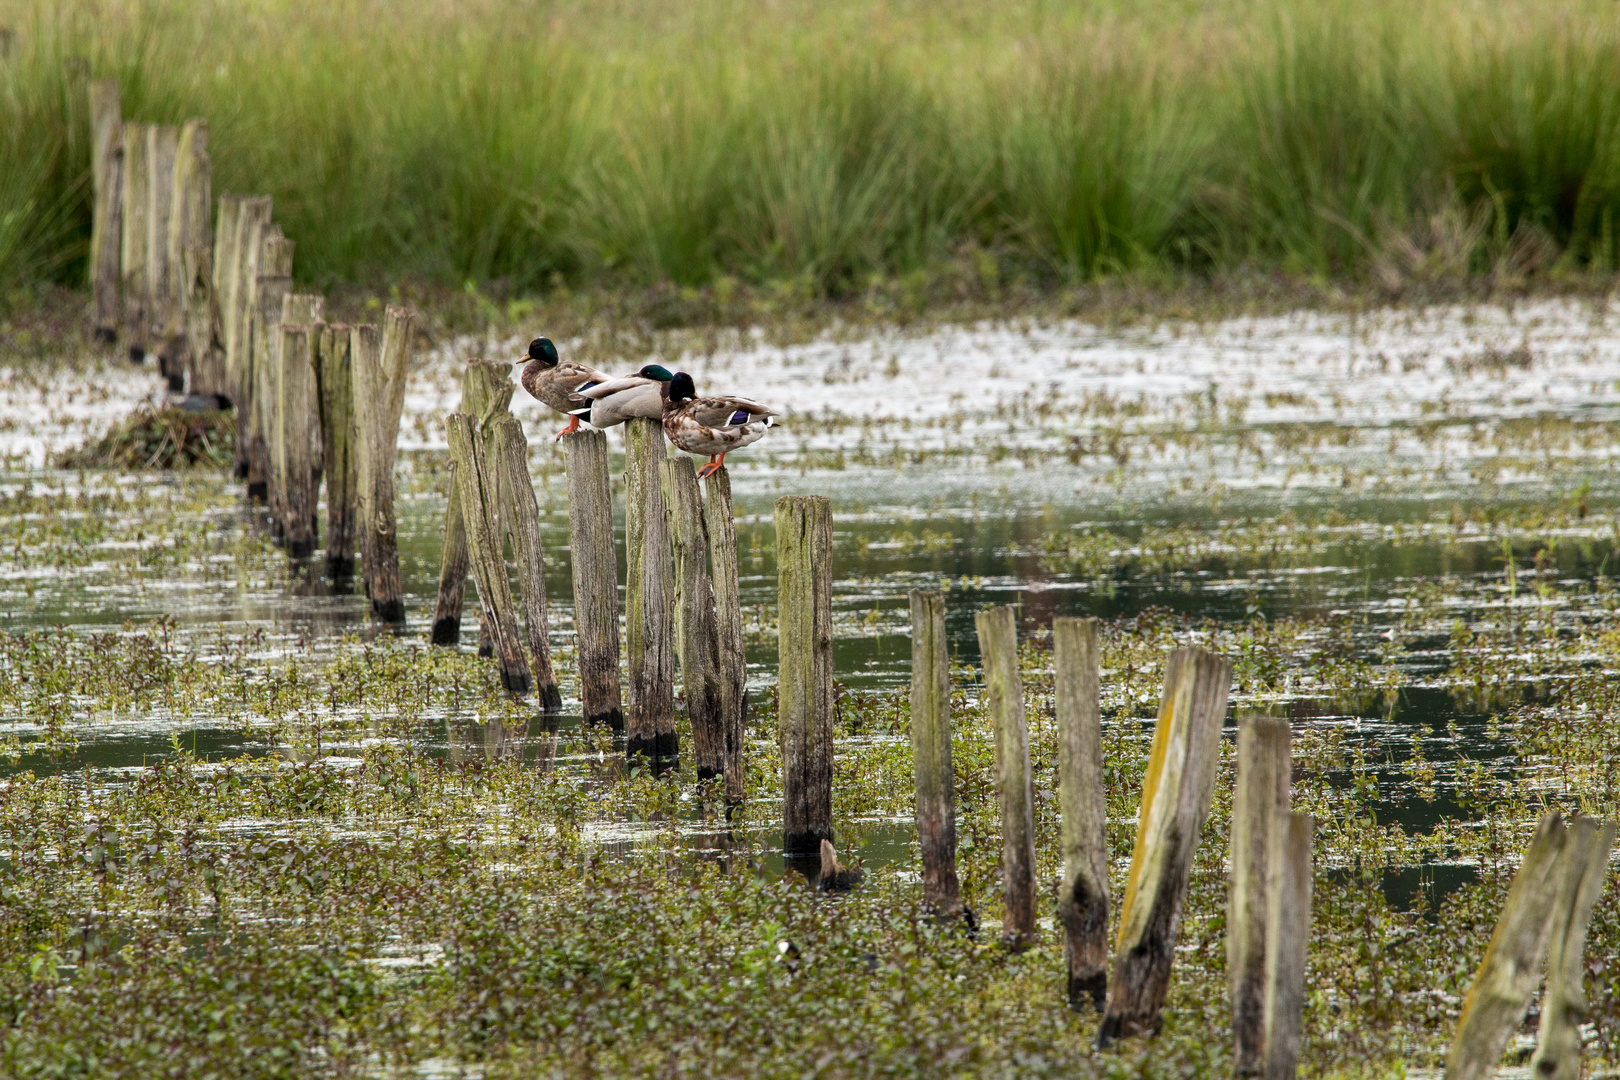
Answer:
[(169, 438)]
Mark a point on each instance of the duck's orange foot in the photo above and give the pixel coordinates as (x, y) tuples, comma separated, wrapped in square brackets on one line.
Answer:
[(573, 426), (711, 468)]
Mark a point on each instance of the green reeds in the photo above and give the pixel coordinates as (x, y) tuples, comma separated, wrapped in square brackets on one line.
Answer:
[(830, 146)]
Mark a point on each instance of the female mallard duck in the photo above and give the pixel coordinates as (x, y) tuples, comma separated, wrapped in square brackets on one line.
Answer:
[(712, 426), (617, 400), (557, 383)]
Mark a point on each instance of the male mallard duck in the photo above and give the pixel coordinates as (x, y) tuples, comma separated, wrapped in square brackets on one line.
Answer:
[(711, 426), (617, 400), (557, 383)]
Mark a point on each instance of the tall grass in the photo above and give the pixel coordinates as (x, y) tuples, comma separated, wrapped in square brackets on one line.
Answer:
[(837, 143)]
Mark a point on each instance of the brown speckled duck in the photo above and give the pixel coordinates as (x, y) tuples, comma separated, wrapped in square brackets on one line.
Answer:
[(709, 426), (556, 382)]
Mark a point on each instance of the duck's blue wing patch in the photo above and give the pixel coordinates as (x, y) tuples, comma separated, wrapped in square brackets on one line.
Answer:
[(739, 418)]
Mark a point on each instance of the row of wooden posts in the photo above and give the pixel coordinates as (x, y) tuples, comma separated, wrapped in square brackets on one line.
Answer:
[(212, 297)]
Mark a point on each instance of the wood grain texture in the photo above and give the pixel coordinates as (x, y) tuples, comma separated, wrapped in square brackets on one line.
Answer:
[(805, 670), (1288, 937), (932, 770), (1004, 695), (595, 575), (649, 607), (721, 526), (1260, 804), (237, 304), (136, 221), (335, 393), (1084, 896), (475, 477), (378, 359), (293, 428), (162, 297), (272, 285), (106, 225), (194, 341), (696, 639), (1583, 867), (481, 397), (1176, 796), (222, 273), (509, 451)]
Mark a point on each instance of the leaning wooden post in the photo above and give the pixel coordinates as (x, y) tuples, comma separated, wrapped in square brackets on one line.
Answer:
[(522, 513), (1582, 869), (379, 360), (475, 478), (1288, 935), (1004, 695), (190, 341), (334, 377), (1511, 968), (137, 208), (697, 640), (805, 679), (163, 145), (596, 578), (295, 426), (649, 599), (931, 753), (1083, 898), (486, 389), (273, 284), (1260, 804), (721, 526), (106, 227), (1176, 795)]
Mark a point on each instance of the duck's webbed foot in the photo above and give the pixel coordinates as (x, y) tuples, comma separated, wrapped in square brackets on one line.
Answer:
[(573, 426), (714, 466)]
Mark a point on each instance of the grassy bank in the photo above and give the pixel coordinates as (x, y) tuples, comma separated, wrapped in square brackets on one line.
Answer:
[(818, 148)]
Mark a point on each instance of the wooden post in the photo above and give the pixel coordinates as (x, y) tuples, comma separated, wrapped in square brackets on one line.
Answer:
[(486, 389), (1083, 899), (1288, 936), (721, 526), (334, 379), (137, 208), (1004, 692), (1581, 872), (1176, 794), (596, 578), (293, 309), (191, 340), (379, 361), (272, 284), (697, 639), (237, 312), (805, 679), (510, 451), (1511, 967), (478, 501), (222, 275), (1260, 804), (163, 146), (293, 425), (931, 753), (106, 229), (649, 599)]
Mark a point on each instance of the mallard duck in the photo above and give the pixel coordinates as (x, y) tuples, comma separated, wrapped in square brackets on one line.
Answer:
[(710, 426), (617, 400), (556, 382), (835, 876)]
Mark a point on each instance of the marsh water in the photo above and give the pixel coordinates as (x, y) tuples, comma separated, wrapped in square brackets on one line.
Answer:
[(969, 461)]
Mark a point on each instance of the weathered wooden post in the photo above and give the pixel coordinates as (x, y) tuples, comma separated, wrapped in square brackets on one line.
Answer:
[(521, 512), (1287, 937), (1260, 804), (697, 640), (335, 390), (190, 342), (805, 679), (478, 501), (222, 279), (649, 599), (137, 209), (1511, 967), (721, 526), (931, 753), (294, 426), (295, 309), (596, 578), (252, 223), (273, 282), (379, 361), (106, 227), (1581, 872), (486, 389), (1004, 694), (1176, 796), (1083, 899), (163, 144)]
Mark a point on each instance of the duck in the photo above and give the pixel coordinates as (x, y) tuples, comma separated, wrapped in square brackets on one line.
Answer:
[(835, 877), (617, 400), (557, 383), (710, 426)]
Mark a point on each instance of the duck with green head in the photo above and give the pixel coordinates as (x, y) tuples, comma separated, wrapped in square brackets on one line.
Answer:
[(709, 427), (617, 400), (557, 383)]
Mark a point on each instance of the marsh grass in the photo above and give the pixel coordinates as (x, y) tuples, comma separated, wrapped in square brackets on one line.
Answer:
[(828, 148)]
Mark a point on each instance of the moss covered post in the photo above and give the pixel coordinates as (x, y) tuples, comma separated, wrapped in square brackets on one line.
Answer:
[(479, 498), (1260, 802), (931, 753), (486, 388), (1083, 896), (596, 577), (1288, 936), (378, 359), (509, 452), (135, 220), (106, 222), (1581, 872), (721, 526), (697, 641), (1004, 692), (649, 599), (805, 679), (334, 376)]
